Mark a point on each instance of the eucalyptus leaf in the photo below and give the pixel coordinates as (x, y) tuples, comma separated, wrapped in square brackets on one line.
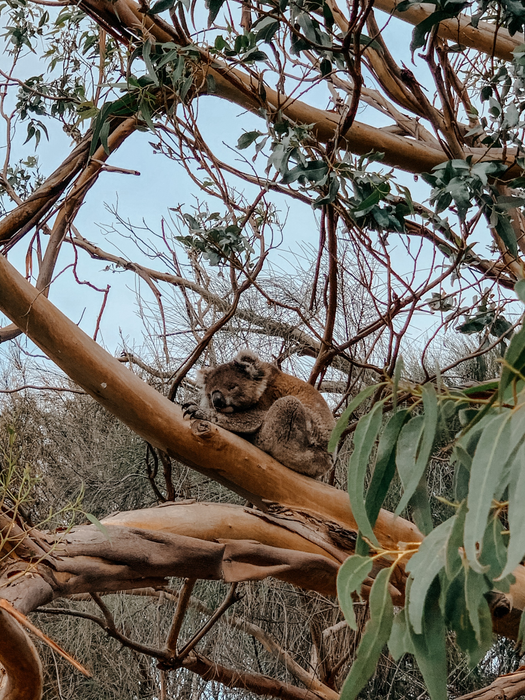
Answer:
[(415, 446), (399, 642), (476, 585), (514, 361), (364, 441), (344, 419), (385, 465), (424, 566), (516, 546), (430, 650), (376, 635), (349, 580), (492, 453)]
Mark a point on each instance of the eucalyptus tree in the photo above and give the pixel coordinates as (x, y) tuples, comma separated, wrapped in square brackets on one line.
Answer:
[(389, 274)]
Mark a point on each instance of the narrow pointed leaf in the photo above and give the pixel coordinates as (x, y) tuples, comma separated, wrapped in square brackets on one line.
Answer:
[(399, 642), (516, 548), (347, 414), (375, 637), (349, 580), (424, 566), (498, 444), (385, 465), (364, 441), (430, 649), (514, 360), (411, 470)]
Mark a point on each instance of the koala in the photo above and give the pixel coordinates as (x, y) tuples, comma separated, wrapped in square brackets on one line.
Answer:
[(280, 414)]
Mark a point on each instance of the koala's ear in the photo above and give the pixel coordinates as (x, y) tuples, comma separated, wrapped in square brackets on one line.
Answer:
[(249, 363), (200, 377)]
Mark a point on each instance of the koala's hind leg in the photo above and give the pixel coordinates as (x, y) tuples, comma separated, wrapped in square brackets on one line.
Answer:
[(291, 434)]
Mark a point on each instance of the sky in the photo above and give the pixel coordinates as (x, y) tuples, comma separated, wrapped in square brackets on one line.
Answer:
[(160, 186)]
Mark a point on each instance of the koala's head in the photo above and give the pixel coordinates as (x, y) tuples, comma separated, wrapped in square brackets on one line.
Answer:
[(236, 385)]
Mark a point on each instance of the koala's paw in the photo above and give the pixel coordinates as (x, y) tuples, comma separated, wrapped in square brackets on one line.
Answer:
[(194, 411)]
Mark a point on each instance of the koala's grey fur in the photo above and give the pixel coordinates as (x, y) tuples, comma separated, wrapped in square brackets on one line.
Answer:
[(280, 414)]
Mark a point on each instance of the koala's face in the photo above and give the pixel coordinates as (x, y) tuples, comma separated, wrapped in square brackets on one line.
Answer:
[(235, 386)]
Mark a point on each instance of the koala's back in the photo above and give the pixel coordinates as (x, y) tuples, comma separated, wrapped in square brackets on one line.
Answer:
[(280, 384)]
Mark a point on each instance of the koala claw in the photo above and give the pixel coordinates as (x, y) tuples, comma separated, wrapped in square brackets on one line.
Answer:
[(190, 410)]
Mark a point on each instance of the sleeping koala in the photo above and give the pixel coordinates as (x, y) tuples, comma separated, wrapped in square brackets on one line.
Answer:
[(280, 414)]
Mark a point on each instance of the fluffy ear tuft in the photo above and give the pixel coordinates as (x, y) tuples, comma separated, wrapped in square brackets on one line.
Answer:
[(249, 363), (200, 377)]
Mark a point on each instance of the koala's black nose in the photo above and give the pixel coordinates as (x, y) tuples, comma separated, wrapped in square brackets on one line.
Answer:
[(217, 400)]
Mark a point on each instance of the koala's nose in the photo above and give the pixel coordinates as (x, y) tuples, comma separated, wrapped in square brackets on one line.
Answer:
[(217, 400)]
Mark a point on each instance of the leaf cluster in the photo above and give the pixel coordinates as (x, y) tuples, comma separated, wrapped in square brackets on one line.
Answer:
[(462, 559), (214, 238), (465, 184)]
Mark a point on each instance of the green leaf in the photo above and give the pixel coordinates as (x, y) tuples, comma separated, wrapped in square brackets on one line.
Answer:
[(247, 139), (103, 136), (385, 466), (457, 616), (430, 650), (314, 171), (266, 29), (146, 55), (489, 460), (516, 547), (397, 376), (453, 560), (349, 580), (376, 634), (378, 194), (519, 288), (103, 529), (424, 27), (415, 446), (399, 642), (342, 423), (424, 566), (214, 6), (506, 232), (364, 441), (160, 6), (476, 585), (514, 360)]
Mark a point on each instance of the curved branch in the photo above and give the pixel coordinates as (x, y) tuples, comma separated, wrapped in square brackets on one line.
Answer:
[(23, 680)]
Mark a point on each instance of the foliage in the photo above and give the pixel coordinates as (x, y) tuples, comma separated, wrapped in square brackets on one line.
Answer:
[(462, 558), (409, 177)]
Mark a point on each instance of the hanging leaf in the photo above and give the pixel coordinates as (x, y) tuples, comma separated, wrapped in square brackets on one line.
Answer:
[(161, 6), (516, 547), (423, 28), (415, 446), (376, 634), (385, 466), (487, 466), (424, 566), (214, 6), (476, 585), (514, 361), (146, 55), (364, 441), (429, 647), (490, 475), (458, 618), (343, 420), (349, 580), (399, 642)]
